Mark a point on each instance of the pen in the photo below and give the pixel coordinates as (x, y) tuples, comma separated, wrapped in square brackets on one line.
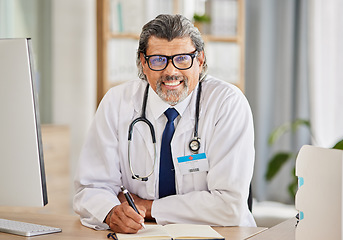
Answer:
[(129, 199)]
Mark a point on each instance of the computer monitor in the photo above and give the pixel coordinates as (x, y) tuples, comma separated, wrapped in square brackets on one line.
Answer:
[(22, 175)]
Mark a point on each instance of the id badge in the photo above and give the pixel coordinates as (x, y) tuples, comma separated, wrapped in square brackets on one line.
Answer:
[(193, 163)]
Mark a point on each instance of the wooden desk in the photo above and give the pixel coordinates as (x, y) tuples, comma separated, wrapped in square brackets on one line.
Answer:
[(235, 233), (282, 231), (72, 228)]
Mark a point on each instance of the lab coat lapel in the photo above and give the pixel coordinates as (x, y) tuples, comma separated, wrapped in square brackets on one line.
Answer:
[(187, 120), (183, 134), (142, 131), (142, 128), (186, 124)]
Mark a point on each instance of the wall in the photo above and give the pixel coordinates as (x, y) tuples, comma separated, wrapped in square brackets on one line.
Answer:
[(74, 69)]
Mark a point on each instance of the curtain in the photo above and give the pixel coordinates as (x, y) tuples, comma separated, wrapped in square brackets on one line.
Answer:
[(277, 85), (326, 70)]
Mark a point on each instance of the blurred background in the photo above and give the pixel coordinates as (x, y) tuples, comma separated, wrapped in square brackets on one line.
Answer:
[(285, 55)]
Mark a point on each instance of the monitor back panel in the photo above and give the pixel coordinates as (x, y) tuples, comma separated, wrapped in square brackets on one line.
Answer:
[(22, 179)]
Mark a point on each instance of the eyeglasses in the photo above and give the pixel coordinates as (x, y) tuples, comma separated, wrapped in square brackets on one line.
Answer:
[(182, 61)]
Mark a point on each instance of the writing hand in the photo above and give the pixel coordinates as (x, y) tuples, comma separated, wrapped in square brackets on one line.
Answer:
[(123, 219), (143, 203)]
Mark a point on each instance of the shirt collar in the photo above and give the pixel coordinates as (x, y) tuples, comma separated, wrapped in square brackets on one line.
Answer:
[(158, 106)]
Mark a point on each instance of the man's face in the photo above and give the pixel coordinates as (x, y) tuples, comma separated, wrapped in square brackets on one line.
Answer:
[(171, 84)]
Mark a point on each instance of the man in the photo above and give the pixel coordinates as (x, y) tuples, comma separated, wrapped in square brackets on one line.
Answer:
[(210, 190)]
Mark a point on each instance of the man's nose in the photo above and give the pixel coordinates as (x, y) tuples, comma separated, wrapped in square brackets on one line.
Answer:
[(170, 69)]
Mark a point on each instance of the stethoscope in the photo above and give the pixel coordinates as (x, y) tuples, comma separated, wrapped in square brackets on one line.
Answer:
[(194, 144)]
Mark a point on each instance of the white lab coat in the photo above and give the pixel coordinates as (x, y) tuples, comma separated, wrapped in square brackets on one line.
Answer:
[(217, 197)]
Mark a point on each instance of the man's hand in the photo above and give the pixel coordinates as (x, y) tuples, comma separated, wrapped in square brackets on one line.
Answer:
[(123, 219), (139, 202)]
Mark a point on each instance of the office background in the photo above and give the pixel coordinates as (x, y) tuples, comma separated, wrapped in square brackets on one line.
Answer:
[(293, 59)]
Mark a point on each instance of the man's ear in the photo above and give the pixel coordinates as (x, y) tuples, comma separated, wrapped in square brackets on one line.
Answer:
[(201, 59)]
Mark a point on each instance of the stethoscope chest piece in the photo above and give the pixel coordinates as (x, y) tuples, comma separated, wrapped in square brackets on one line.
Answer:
[(194, 144)]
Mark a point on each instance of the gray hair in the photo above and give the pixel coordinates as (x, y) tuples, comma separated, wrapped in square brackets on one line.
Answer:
[(169, 27)]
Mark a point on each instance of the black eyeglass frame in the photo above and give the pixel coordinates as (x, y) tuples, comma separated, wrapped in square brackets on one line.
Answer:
[(192, 55)]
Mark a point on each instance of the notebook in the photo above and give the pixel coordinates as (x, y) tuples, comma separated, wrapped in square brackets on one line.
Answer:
[(173, 231)]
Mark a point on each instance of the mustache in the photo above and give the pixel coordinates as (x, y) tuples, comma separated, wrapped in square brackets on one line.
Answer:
[(172, 78)]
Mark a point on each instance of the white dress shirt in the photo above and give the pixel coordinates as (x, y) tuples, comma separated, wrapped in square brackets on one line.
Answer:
[(217, 196)]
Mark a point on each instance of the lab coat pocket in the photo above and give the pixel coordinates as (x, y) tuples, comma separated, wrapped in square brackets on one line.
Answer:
[(194, 182), (200, 181), (194, 170)]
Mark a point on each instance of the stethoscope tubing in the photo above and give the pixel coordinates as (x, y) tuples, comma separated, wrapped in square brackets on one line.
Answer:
[(142, 118), (135, 176)]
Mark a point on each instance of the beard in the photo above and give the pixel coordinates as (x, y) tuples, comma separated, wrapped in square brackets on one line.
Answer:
[(172, 97)]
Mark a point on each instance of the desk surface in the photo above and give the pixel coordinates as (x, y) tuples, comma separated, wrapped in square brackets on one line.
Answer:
[(282, 231), (72, 228)]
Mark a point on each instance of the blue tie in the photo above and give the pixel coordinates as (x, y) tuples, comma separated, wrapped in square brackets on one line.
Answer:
[(167, 172)]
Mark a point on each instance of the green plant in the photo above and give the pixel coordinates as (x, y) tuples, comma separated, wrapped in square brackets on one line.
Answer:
[(278, 160), (201, 18)]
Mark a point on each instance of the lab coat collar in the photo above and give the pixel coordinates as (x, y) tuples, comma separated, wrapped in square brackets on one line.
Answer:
[(137, 98), (157, 107), (155, 103)]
